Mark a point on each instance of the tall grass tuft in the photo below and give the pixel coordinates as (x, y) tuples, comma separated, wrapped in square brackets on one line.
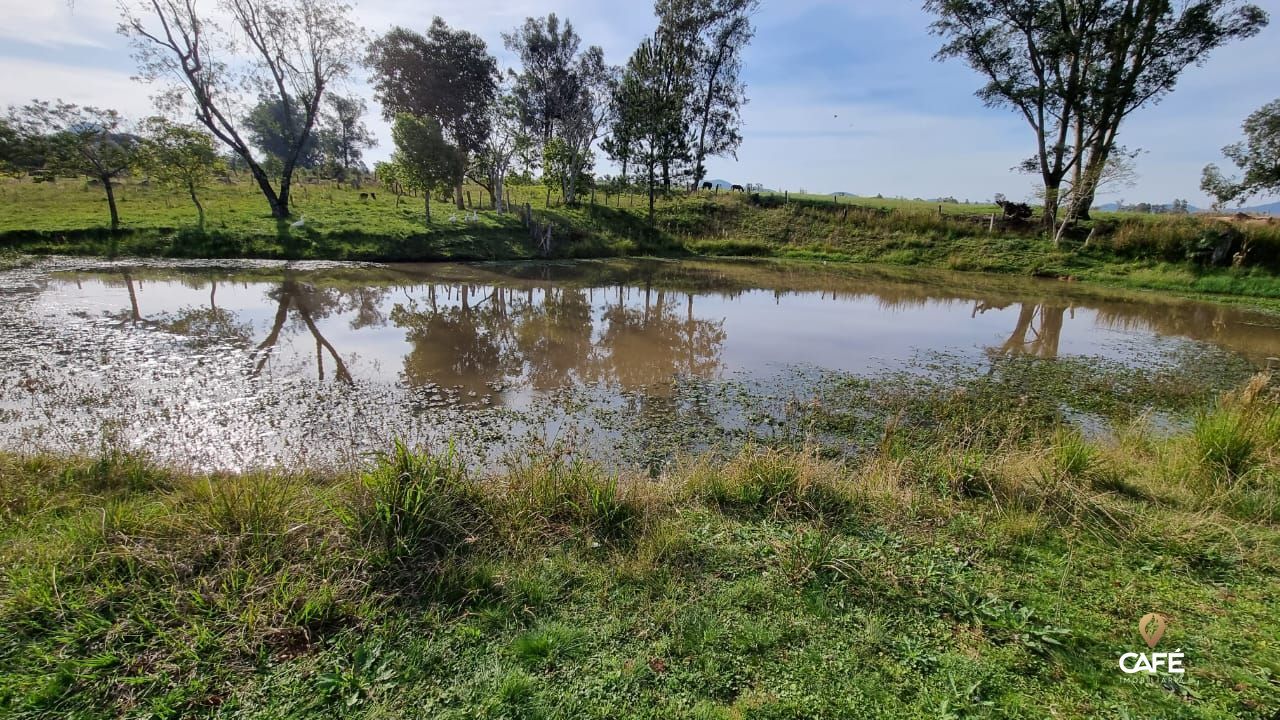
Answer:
[(414, 505), (1224, 439), (772, 481), (555, 491)]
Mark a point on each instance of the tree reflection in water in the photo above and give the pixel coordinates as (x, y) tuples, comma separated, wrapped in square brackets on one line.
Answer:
[(548, 337), (1037, 332)]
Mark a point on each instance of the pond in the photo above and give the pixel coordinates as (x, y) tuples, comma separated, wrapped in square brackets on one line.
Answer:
[(240, 364)]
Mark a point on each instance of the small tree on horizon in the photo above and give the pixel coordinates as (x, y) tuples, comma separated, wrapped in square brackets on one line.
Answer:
[(180, 157), (424, 160), (81, 140)]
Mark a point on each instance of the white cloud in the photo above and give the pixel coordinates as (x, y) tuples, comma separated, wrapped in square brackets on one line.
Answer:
[(29, 79), (57, 23)]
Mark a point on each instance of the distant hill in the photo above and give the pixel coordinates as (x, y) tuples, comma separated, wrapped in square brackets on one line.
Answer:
[(722, 184), (1268, 209)]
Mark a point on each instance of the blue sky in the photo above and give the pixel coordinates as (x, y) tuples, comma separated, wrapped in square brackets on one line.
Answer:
[(845, 96)]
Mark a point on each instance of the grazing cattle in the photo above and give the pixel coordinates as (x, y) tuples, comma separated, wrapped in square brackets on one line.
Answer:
[(706, 186), (364, 196), (373, 196), (737, 188)]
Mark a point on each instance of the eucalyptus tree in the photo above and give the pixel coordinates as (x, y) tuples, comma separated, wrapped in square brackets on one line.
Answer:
[(582, 123), (446, 75), (507, 144), (1258, 155), (282, 51), (714, 33), (650, 103), (343, 134), (76, 140), (564, 95), (548, 85), (269, 127), (1076, 70), (180, 157)]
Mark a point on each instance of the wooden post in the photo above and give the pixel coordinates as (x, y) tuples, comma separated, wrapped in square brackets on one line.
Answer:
[(991, 227), (548, 196), (469, 200), (786, 196), (939, 211)]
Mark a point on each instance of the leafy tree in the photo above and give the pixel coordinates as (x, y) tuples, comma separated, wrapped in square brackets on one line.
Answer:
[(424, 160), (1076, 70), (1258, 155), (344, 137), (715, 33), (447, 75), (77, 140), (650, 110), (390, 176), (180, 157), (269, 126), (293, 51)]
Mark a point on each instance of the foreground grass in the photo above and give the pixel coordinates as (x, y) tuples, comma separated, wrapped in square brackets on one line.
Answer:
[(993, 563)]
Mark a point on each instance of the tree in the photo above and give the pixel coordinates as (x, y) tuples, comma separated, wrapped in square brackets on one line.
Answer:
[(424, 160), (268, 126), (507, 142), (715, 32), (1258, 155), (1076, 70), (582, 122), (650, 110), (344, 137), (180, 157), (447, 75), (296, 50), (77, 140), (547, 84)]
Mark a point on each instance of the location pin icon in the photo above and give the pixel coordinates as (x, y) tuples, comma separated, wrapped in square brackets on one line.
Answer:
[(1152, 627)]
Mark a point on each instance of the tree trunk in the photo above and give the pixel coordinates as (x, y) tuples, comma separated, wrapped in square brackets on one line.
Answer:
[(111, 203), (191, 188), (426, 202), (457, 196), (495, 193)]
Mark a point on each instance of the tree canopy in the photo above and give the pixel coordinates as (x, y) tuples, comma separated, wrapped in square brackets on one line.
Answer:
[(1258, 155), (296, 49), (1075, 71), (447, 75)]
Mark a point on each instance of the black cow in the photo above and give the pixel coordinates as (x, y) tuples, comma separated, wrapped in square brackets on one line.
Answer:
[(706, 186), (737, 188)]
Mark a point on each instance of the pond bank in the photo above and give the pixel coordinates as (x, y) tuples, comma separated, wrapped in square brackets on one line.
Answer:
[(992, 561)]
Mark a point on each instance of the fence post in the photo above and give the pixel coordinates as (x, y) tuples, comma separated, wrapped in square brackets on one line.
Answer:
[(469, 205)]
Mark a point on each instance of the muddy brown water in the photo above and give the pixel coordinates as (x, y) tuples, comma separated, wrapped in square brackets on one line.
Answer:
[(240, 364)]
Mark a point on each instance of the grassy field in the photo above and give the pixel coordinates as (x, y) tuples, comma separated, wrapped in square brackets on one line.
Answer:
[(982, 559), (1148, 252)]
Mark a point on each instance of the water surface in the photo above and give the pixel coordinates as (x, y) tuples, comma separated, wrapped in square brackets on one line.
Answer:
[(239, 364)]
